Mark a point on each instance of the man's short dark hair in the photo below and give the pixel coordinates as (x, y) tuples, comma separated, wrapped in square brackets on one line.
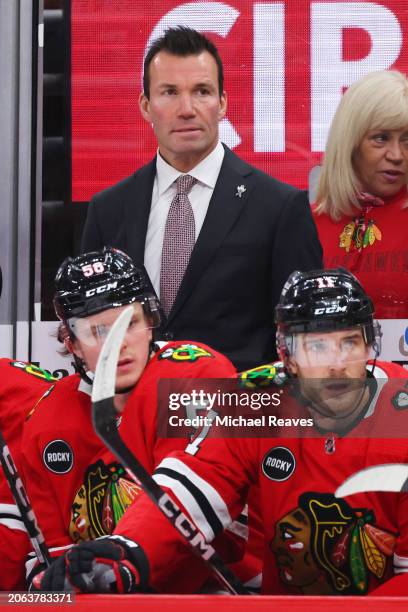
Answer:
[(181, 41)]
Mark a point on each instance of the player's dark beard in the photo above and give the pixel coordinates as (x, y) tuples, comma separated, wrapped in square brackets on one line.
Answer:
[(314, 404), (319, 407)]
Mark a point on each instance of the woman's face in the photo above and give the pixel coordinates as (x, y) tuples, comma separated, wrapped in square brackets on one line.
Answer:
[(381, 162)]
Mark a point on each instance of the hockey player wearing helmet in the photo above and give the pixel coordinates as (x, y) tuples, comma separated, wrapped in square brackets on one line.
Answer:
[(315, 544), (77, 487), (326, 336), (91, 292)]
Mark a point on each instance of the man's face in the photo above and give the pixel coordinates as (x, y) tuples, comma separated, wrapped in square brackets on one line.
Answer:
[(184, 107), (331, 368), (91, 332)]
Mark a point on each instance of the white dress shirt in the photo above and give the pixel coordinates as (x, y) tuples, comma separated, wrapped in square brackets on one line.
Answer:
[(164, 190)]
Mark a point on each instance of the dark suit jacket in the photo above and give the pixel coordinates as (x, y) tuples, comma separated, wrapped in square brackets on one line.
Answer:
[(245, 252)]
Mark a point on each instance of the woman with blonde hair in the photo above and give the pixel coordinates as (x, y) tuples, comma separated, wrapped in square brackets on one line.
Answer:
[(361, 208)]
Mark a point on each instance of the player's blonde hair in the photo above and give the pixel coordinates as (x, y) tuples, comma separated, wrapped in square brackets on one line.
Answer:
[(377, 101)]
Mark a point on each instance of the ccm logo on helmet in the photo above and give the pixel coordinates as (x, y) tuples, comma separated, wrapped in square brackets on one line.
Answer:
[(101, 289), (330, 310)]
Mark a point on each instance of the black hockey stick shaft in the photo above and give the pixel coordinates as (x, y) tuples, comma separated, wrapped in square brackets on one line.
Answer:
[(104, 418), (104, 415), (23, 503)]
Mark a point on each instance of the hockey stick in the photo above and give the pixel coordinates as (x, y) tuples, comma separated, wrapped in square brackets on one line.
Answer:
[(388, 477), (23, 503), (104, 419)]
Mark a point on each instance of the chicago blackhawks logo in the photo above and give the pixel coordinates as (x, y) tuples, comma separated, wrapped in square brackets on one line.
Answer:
[(101, 501), (185, 352), (359, 234), (263, 376), (34, 370), (326, 547)]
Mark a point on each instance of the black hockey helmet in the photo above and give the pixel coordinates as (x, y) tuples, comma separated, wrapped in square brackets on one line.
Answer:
[(99, 280), (325, 301)]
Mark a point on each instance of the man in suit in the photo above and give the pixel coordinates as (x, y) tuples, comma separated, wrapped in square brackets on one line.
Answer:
[(218, 249)]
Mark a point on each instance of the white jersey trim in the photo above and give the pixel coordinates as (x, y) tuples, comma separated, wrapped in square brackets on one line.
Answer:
[(400, 564), (255, 582), (84, 386), (381, 378), (16, 524), (32, 559), (239, 529), (189, 504), (10, 517), (214, 498), (10, 509)]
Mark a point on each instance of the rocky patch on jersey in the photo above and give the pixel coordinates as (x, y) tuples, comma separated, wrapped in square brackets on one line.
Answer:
[(58, 457), (400, 399), (34, 370), (263, 376), (185, 352), (326, 547), (101, 501), (278, 464)]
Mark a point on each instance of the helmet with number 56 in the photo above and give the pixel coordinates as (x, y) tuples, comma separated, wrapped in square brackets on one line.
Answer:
[(89, 289), (99, 280)]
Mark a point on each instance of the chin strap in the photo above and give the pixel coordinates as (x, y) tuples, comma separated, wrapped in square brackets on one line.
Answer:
[(373, 366), (79, 367)]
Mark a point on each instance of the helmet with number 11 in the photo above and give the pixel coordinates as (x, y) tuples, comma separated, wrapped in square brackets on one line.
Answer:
[(324, 301), (326, 336)]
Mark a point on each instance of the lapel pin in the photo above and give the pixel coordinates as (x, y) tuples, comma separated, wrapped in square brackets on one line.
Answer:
[(240, 190)]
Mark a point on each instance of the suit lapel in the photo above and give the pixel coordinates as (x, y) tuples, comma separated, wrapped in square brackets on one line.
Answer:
[(137, 210), (224, 208)]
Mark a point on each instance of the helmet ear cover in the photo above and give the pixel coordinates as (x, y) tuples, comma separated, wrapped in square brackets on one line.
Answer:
[(151, 309)]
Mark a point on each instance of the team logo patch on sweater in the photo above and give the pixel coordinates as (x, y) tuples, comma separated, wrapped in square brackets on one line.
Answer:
[(58, 457), (278, 464), (185, 352), (324, 546), (101, 501), (263, 376), (34, 370)]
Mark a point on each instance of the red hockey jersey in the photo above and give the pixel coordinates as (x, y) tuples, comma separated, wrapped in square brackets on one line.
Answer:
[(22, 386), (77, 487), (380, 264), (315, 544)]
